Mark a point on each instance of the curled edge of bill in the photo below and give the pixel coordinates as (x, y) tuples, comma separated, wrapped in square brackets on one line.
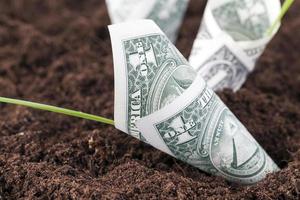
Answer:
[(118, 33)]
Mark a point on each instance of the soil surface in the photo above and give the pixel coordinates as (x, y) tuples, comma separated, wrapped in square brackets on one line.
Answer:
[(58, 52)]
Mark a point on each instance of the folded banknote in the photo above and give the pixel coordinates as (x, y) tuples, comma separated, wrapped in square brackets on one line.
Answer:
[(160, 99), (244, 24)]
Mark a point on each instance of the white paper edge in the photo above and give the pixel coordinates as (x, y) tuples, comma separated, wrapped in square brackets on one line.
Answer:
[(119, 32)]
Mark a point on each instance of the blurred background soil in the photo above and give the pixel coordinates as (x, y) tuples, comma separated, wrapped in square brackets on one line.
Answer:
[(58, 52)]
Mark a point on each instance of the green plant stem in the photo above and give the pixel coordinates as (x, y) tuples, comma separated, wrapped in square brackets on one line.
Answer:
[(57, 110), (285, 7)]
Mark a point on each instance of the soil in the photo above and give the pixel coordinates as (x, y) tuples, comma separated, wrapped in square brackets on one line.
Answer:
[(59, 53)]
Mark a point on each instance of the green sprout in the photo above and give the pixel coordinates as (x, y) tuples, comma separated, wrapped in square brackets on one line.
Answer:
[(57, 110), (285, 7)]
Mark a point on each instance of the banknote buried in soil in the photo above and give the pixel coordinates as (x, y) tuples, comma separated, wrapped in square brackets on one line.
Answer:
[(160, 100), (167, 14), (245, 24)]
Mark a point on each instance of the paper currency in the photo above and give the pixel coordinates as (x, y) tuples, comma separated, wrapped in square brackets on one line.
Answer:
[(221, 63), (160, 99), (199, 129), (149, 72), (167, 14), (120, 10), (245, 23)]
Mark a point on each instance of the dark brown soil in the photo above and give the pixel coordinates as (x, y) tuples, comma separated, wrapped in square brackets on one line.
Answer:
[(58, 52)]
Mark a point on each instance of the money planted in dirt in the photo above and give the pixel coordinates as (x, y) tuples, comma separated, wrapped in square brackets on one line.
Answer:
[(245, 23), (167, 14), (159, 99)]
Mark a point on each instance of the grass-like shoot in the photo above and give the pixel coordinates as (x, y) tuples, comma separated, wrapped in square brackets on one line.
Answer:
[(285, 7), (55, 109)]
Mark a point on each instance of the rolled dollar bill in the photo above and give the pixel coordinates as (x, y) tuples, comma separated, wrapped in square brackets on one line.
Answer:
[(245, 23), (167, 14), (160, 99)]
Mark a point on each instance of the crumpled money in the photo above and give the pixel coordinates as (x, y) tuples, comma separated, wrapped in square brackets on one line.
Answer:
[(237, 31), (168, 14), (160, 99)]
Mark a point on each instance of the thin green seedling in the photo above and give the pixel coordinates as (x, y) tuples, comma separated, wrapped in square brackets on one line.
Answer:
[(56, 109), (285, 7)]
